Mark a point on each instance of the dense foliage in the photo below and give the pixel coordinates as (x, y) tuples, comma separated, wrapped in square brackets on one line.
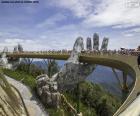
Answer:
[(22, 76), (34, 70), (94, 100), (50, 67)]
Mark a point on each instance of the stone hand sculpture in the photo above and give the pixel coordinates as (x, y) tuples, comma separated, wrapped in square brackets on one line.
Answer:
[(71, 73), (3, 60), (10, 63)]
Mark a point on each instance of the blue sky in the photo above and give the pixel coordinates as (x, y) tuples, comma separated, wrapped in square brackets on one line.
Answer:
[(55, 24)]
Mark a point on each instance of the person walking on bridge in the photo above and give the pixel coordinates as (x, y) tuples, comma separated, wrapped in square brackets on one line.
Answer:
[(138, 60)]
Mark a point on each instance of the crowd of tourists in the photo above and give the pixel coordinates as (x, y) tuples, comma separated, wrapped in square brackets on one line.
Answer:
[(93, 52)]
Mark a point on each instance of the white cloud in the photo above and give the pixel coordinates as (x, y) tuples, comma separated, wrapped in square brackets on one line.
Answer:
[(80, 8), (39, 44), (13, 41), (135, 32), (103, 13), (27, 44), (119, 26), (52, 33), (115, 13), (66, 40), (128, 34), (126, 42), (52, 21)]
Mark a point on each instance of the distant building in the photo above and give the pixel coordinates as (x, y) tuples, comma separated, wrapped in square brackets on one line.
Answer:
[(89, 44), (105, 43), (95, 41)]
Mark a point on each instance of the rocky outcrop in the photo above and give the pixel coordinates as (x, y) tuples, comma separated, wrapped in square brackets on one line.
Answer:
[(48, 91), (10, 63), (10, 101), (3, 60)]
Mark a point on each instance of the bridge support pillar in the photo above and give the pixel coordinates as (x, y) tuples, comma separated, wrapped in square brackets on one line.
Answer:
[(125, 89), (124, 86)]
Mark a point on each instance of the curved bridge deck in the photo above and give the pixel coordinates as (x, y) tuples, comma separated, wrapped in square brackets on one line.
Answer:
[(127, 63)]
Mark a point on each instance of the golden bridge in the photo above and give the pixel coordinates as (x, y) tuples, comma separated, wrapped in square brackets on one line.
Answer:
[(126, 63)]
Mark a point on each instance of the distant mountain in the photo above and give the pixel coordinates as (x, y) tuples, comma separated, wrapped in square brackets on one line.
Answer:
[(105, 77), (42, 64)]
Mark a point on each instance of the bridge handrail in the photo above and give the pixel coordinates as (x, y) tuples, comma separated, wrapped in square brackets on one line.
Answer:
[(105, 52)]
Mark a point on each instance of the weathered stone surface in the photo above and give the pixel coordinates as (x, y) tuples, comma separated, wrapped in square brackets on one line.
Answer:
[(3, 60), (89, 44), (47, 90), (96, 41), (10, 101), (105, 43), (56, 99), (42, 80), (33, 105), (46, 97), (73, 71), (10, 63), (77, 48)]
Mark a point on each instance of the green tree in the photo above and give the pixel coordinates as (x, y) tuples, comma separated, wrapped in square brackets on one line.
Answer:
[(104, 109), (96, 99), (51, 66), (27, 64), (31, 69)]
